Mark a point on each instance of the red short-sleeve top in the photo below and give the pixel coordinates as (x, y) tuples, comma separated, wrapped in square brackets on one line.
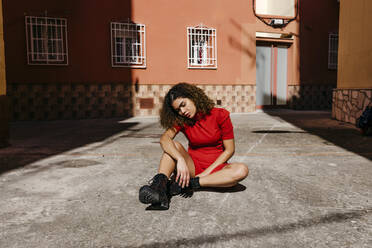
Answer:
[(209, 131)]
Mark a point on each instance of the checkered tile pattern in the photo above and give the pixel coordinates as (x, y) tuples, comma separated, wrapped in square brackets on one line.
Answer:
[(80, 101), (235, 98), (157, 92), (349, 104), (310, 96), (70, 101)]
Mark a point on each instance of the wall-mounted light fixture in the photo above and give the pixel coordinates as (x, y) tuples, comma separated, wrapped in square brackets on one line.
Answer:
[(275, 13)]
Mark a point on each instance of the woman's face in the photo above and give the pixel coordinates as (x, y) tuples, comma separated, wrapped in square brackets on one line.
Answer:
[(185, 107)]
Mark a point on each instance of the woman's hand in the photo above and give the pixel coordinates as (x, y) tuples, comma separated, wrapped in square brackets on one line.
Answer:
[(183, 174)]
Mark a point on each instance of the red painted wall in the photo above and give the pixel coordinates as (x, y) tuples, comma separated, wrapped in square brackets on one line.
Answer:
[(318, 18), (88, 40), (167, 40), (166, 22)]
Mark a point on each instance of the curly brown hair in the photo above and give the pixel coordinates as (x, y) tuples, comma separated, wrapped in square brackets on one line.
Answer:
[(169, 117)]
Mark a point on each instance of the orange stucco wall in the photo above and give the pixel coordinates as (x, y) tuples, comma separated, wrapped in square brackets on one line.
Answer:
[(355, 46), (318, 19), (166, 41), (90, 87), (4, 102), (88, 24), (236, 41), (2, 57)]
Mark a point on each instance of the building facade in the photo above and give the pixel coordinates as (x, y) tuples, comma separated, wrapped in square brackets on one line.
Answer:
[(93, 59), (354, 84), (4, 101)]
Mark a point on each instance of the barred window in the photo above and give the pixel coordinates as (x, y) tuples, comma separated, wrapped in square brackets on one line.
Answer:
[(46, 41), (332, 51), (202, 47), (128, 45)]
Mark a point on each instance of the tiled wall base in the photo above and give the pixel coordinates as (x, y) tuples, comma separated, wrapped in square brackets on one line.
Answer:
[(348, 104), (70, 101), (4, 121), (310, 97), (235, 98), (81, 101)]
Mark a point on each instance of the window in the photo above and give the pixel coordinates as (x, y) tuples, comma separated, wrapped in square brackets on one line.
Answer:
[(46, 41), (128, 45), (332, 51), (202, 47)]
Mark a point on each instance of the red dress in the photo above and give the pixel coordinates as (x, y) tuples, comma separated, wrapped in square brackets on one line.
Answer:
[(206, 136)]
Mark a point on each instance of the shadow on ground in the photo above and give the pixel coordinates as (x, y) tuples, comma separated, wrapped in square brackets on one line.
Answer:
[(189, 193), (237, 188), (337, 217), (320, 123), (33, 141)]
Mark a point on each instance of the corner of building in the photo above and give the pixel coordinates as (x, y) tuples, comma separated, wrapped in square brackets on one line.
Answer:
[(354, 79), (4, 101)]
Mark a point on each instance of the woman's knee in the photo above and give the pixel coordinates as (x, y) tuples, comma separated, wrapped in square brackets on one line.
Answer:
[(241, 171)]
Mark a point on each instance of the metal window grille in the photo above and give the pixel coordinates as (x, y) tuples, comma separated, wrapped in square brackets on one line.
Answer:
[(46, 41), (202, 47), (332, 51), (128, 47)]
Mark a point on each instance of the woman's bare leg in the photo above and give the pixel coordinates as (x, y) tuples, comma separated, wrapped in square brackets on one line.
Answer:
[(156, 193), (229, 176), (168, 165)]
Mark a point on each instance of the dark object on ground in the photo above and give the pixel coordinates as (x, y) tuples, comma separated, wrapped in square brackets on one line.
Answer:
[(234, 189), (176, 189), (364, 122), (155, 193)]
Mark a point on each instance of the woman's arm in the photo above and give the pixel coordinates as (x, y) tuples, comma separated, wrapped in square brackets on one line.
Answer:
[(224, 156), (168, 146)]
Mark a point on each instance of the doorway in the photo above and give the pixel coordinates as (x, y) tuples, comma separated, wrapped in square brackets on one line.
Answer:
[(271, 75)]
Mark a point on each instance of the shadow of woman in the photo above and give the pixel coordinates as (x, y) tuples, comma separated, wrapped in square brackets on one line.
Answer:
[(237, 188), (189, 193)]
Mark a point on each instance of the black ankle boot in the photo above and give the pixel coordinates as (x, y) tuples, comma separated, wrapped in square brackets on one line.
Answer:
[(156, 192), (175, 189)]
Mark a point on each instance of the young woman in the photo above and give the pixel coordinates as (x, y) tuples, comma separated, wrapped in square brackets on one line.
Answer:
[(209, 130)]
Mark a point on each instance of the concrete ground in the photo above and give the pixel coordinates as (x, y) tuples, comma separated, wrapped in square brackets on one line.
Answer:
[(75, 184)]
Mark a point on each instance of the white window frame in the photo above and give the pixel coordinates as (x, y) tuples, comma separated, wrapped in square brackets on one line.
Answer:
[(332, 51), (46, 40), (201, 47), (128, 44)]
